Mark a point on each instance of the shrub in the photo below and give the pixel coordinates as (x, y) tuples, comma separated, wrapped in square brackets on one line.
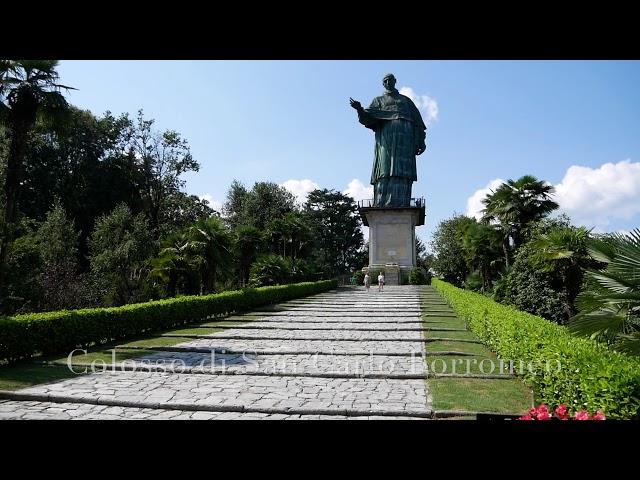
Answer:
[(591, 376), (534, 291), (269, 270), (58, 332), (419, 276), (359, 277)]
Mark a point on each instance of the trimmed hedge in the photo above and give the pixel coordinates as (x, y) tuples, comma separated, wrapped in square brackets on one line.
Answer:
[(591, 377), (26, 335)]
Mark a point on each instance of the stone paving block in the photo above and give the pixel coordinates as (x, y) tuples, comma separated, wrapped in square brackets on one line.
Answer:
[(270, 385)]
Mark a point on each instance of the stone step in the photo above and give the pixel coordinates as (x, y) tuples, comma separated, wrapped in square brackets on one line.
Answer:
[(33, 410), (319, 320), (336, 314), (369, 310), (258, 325), (241, 393), (282, 365), (339, 336), (171, 365), (185, 348), (310, 346), (329, 335)]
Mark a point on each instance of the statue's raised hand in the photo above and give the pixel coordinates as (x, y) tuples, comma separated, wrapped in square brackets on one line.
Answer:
[(355, 104)]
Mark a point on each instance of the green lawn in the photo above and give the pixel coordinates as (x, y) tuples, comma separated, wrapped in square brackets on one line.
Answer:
[(509, 396), (480, 395), (28, 373), (465, 364), (466, 335), (474, 348), (23, 375), (193, 331)]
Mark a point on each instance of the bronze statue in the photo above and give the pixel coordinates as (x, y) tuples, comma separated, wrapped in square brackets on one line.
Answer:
[(400, 135)]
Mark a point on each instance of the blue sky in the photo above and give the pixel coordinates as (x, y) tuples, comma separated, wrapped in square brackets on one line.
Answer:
[(575, 124)]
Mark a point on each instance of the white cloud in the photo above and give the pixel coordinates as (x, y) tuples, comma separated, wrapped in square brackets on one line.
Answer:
[(596, 196), (216, 205), (428, 105), (593, 197), (474, 202), (358, 190), (300, 188)]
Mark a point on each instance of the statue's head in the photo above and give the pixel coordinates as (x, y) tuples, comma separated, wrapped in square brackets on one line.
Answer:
[(389, 81)]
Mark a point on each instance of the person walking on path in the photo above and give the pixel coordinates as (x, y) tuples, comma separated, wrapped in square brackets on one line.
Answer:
[(367, 281), (381, 282)]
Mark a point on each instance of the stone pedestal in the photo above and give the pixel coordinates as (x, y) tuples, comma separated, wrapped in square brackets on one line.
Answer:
[(392, 274), (392, 240)]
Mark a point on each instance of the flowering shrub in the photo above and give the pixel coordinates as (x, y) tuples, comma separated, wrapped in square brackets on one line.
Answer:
[(561, 413)]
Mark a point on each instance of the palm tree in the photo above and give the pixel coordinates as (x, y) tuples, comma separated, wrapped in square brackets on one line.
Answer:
[(210, 246), (172, 261), (564, 250), (299, 232), (278, 230), (481, 245), (610, 304), (515, 205), (248, 243), (29, 90)]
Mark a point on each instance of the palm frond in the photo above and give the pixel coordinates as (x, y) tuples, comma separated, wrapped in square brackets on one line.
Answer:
[(599, 322)]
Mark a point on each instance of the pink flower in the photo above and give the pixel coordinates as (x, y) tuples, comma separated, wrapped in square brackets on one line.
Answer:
[(542, 409), (562, 412), (582, 415), (544, 416)]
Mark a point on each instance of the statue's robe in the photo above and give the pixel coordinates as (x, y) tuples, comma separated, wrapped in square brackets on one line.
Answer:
[(399, 132)]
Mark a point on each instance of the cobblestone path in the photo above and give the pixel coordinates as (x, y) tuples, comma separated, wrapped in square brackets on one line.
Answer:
[(343, 354)]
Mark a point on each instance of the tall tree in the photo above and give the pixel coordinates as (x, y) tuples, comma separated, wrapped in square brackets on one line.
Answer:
[(28, 89), (257, 207), (336, 230), (210, 244), (234, 208), (516, 205), (162, 159), (290, 235), (174, 263), (564, 251), (248, 244), (121, 247), (58, 237), (58, 241), (482, 250), (449, 262)]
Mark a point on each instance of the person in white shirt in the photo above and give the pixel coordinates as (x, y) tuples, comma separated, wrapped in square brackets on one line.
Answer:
[(381, 282), (367, 281)]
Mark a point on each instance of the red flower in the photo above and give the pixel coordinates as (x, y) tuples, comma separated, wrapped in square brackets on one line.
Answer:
[(544, 416), (582, 415), (562, 412), (542, 409)]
